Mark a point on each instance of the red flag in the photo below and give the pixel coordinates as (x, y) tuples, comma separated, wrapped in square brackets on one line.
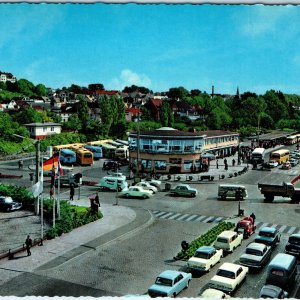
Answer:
[(59, 170), (50, 163)]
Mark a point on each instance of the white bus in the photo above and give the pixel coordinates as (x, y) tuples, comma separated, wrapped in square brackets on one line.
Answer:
[(257, 155), (292, 139)]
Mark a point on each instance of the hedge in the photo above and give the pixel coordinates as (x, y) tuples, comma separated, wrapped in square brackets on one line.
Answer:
[(71, 216), (205, 240)]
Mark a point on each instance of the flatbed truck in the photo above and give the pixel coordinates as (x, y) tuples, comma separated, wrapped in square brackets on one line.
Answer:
[(285, 189)]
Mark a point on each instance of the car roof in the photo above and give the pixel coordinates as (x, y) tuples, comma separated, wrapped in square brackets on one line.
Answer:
[(270, 290), (268, 229), (230, 266), (227, 233), (212, 293), (257, 246), (283, 260), (206, 249), (295, 235), (170, 274)]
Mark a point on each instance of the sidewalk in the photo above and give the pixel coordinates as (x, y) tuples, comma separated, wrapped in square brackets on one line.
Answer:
[(114, 218)]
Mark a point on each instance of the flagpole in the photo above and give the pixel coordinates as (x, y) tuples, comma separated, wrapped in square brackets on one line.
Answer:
[(42, 208), (58, 188), (53, 175)]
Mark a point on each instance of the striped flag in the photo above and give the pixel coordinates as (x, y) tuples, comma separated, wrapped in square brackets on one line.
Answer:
[(50, 163), (58, 170)]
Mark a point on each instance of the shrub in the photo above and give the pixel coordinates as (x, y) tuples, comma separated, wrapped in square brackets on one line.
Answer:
[(205, 240)]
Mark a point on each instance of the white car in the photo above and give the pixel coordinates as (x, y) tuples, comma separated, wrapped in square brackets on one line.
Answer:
[(229, 277), (147, 186), (273, 164), (117, 174), (214, 294), (204, 258), (154, 182), (228, 240), (136, 191)]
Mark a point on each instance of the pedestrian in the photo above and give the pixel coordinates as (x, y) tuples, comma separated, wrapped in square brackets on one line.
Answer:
[(28, 243), (253, 217), (97, 200), (225, 161), (233, 162), (20, 164), (72, 192), (217, 164)]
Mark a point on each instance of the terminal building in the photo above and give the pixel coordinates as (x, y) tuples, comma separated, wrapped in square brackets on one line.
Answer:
[(167, 150)]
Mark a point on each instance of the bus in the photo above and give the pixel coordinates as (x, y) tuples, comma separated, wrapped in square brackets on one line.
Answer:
[(97, 151), (109, 151), (84, 157), (257, 155), (57, 148), (280, 156), (125, 143), (122, 152), (115, 144), (67, 156), (292, 139), (99, 143)]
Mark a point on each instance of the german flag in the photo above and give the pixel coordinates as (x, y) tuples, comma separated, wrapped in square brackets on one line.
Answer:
[(51, 163)]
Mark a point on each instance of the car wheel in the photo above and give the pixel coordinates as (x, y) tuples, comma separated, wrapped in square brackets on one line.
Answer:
[(193, 195), (174, 295), (126, 195), (187, 285), (145, 196)]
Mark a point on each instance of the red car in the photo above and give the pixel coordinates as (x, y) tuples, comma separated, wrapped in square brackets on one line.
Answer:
[(246, 227), (286, 166)]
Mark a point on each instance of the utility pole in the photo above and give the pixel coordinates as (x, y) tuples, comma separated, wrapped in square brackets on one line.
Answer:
[(138, 146), (37, 172)]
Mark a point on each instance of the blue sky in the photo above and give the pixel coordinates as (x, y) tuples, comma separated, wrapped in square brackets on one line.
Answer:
[(158, 46)]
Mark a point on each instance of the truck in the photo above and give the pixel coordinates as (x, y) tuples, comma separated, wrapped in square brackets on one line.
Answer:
[(66, 179), (285, 189)]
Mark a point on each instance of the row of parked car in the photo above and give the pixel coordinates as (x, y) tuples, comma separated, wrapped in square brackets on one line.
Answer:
[(280, 274)]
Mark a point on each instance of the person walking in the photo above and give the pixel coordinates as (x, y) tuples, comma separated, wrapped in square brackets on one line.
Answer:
[(217, 164), (97, 201), (28, 244), (233, 162), (72, 192), (20, 164), (253, 217)]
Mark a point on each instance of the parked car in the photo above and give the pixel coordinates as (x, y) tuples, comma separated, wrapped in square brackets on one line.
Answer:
[(184, 190), (117, 175), (229, 277), (147, 186), (204, 258), (273, 164), (286, 166), (110, 164), (246, 227), (169, 284), (214, 294), (293, 245), (228, 240), (154, 182), (136, 191), (7, 204), (269, 236), (294, 162), (272, 291), (256, 255), (112, 183)]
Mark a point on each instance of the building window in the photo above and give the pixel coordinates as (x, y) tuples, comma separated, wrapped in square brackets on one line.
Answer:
[(160, 164), (175, 161), (146, 163), (188, 164), (45, 129), (52, 128)]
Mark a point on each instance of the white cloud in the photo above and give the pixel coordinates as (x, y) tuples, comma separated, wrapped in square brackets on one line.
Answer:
[(128, 78), (266, 19)]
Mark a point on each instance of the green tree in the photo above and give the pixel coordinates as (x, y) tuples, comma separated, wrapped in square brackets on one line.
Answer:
[(166, 115), (40, 90), (96, 86), (25, 87), (83, 114), (178, 93), (28, 115), (106, 114)]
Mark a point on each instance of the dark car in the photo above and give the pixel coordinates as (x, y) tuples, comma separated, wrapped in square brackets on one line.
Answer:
[(293, 245), (110, 164), (272, 291), (7, 204), (269, 236)]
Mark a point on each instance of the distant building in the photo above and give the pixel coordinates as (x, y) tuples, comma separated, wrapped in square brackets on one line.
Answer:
[(167, 150), (39, 131), (4, 77)]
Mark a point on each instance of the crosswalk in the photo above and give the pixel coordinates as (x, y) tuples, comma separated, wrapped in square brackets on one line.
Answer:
[(167, 215), (286, 172)]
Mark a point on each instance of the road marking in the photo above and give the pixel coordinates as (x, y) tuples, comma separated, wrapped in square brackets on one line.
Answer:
[(217, 220), (200, 218), (258, 225), (173, 217), (292, 229), (274, 225), (206, 220), (191, 217), (155, 211), (282, 228), (166, 215), (264, 225), (182, 217), (160, 214)]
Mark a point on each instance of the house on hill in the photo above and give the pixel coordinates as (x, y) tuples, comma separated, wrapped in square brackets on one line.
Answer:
[(39, 131)]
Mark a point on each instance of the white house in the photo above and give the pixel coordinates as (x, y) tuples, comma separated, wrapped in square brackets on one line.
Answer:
[(39, 131)]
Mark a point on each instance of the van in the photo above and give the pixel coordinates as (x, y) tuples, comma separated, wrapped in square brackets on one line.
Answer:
[(66, 179), (229, 191), (113, 183), (282, 271), (228, 240)]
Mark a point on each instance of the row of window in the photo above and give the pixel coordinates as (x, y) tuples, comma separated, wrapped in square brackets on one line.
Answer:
[(215, 140)]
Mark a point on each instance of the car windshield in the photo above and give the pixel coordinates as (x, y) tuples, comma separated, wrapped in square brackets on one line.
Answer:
[(200, 254), (6, 200), (266, 234), (293, 240), (222, 240), (163, 281), (226, 273), (253, 252)]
